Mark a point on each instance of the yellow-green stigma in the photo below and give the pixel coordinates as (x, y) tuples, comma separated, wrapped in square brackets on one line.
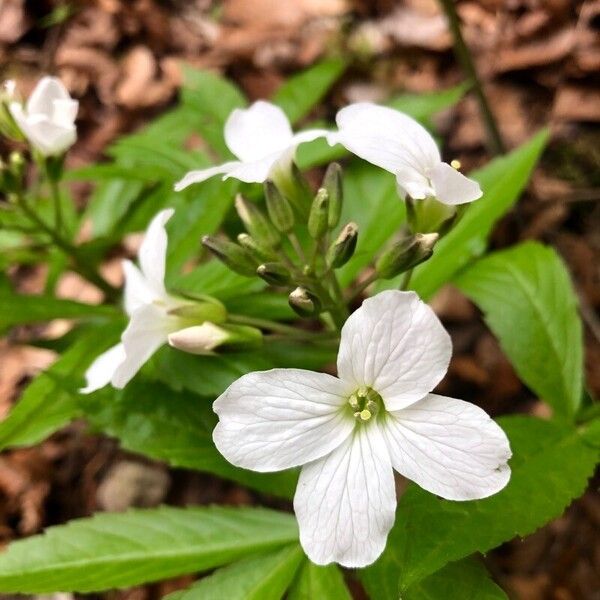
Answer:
[(365, 404)]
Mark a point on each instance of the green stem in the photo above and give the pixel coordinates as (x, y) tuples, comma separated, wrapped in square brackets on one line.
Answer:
[(274, 326), (364, 285), (466, 60), (406, 280), (55, 194), (80, 264), (297, 248)]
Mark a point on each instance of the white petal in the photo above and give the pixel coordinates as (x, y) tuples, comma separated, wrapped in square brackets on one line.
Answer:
[(64, 112), (153, 251), (395, 344), (345, 502), (258, 171), (310, 135), (389, 139), (449, 447), (43, 96), (101, 371), (255, 132), (273, 420), (452, 187), (146, 332), (138, 290), (204, 174)]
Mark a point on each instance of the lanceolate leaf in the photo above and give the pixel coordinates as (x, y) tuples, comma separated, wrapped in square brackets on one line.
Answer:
[(319, 582), (260, 578), (156, 421), (502, 181), (50, 401), (551, 465), (117, 550), (465, 579), (529, 303)]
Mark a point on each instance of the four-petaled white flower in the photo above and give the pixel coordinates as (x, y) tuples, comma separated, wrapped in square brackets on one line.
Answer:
[(397, 143), (151, 312), (349, 432), (48, 118), (262, 139)]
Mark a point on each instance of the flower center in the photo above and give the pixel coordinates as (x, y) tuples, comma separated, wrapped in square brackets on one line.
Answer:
[(365, 404)]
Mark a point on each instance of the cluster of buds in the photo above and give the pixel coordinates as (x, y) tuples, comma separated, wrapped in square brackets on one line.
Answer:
[(273, 234)]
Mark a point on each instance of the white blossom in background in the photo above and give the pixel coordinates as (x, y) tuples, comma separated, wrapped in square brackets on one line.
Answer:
[(150, 309), (261, 137), (397, 143), (48, 118), (350, 432)]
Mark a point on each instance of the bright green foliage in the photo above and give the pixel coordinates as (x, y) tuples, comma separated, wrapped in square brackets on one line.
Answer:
[(117, 550), (156, 421), (300, 93), (16, 309), (465, 579), (261, 578), (319, 582), (502, 180), (550, 467), (50, 401), (529, 303)]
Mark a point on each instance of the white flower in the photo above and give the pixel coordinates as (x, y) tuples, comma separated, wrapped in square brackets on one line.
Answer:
[(349, 432), (262, 139), (148, 304), (48, 119), (397, 143)]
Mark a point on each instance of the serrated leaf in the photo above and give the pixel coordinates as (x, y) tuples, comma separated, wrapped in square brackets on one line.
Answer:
[(502, 181), (302, 92), (117, 550), (50, 400), (315, 582), (261, 578), (529, 303), (430, 532), (16, 309), (466, 579), (154, 420)]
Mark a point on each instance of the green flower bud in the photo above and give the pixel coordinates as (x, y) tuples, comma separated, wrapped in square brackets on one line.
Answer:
[(304, 303), (208, 337), (280, 210), (317, 219), (429, 215), (260, 253), (332, 182), (274, 273), (406, 254), (257, 224), (238, 259), (342, 249), (209, 310)]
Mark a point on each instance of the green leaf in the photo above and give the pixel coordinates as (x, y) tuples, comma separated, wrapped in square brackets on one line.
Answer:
[(118, 550), (371, 201), (50, 401), (314, 582), (466, 579), (502, 181), (260, 578), (529, 303), (176, 427), (551, 465), (16, 309), (302, 92)]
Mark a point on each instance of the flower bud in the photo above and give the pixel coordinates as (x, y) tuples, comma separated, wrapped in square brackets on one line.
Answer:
[(332, 182), (257, 224), (208, 310), (259, 252), (317, 219), (238, 259), (342, 249), (205, 338), (274, 273), (304, 303), (406, 254), (279, 208)]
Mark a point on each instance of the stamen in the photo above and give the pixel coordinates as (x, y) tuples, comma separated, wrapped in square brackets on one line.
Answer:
[(365, 404), (456, 164)]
